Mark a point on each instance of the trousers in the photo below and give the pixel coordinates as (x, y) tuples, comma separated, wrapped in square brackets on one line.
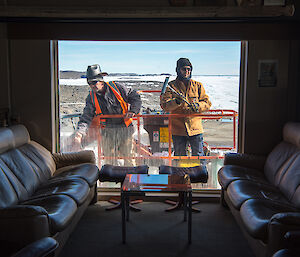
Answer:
[(180, 145), (118, 142)]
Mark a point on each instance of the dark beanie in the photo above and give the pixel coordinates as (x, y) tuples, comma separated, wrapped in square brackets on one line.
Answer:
[(180, 63), (183, 62)]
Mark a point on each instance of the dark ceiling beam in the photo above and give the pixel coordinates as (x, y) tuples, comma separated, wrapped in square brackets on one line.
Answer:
[(200, 12), (159, 31)]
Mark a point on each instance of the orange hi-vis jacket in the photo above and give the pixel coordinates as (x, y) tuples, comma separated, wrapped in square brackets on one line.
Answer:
[(97, 119)]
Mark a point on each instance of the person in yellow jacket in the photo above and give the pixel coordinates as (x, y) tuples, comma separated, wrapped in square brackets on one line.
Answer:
[(186, 129), (109, 98)]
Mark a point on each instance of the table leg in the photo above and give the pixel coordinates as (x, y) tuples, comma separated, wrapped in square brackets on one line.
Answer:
[(184, 205), (123, 204), (127, 207), (190, 218)]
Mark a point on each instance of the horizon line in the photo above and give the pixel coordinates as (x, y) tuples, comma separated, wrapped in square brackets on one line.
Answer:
[(143, 74)]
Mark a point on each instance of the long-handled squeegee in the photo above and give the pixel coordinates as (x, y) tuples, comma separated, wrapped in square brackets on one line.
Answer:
[(164, 87)]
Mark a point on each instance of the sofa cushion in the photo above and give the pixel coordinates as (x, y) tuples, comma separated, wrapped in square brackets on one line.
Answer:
[(286, 169), (60, 208), (20, 190), (21, 135), (241, 190), (22, 169), (44, 155), (73, 158), (43, 166), (279, 155), (287, 253), (76, 188), (256, 214), (44, 247), (290, 182), (291, 133), (8, 195), (87, 171), (230, 173), (7, 141)]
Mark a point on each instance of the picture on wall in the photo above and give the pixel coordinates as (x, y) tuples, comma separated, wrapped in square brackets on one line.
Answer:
[(267, 73)]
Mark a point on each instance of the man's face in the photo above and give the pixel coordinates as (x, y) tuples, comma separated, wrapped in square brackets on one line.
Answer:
[(97, 86), (186, 71)]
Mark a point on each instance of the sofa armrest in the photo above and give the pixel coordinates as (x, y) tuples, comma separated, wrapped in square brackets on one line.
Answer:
[(246, 160), (23, 224), (286, 218), (44, 247), (73, 158), (279, 225), (22, 211), (292, 239)]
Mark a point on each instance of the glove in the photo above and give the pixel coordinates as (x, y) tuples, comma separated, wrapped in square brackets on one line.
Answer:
[(78, 138), (76, 144), (178, 100), (195, 107)]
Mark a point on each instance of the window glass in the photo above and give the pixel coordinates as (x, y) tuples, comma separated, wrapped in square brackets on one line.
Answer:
[(144, 67)]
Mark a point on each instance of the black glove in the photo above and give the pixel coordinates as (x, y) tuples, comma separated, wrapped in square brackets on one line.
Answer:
[(178, 100), (195, 107)]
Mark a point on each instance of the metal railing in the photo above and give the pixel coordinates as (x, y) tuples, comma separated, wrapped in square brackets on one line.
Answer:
[(144, 153)]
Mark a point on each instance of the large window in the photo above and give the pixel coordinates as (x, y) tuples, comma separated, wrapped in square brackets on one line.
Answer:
[(144, 66)]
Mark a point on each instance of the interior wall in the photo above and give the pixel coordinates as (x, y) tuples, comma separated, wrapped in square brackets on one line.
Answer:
[(4, 96), (31, 87), (268, 108), (294, 80)]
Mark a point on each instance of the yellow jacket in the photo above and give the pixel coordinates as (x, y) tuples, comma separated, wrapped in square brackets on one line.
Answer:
[(194, 92)]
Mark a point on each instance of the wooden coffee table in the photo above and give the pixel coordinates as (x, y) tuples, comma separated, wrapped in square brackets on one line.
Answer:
[(140, 184)]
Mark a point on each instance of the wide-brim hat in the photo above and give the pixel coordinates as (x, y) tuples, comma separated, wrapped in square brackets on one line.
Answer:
[(94, 73)]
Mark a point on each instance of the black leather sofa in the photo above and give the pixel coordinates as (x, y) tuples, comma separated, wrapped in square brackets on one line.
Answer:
[(41, 194), (263, 192), (44, 247), (292, 248)]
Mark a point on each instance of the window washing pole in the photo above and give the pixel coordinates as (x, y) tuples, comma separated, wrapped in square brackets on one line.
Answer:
[(164, 87), (163, 90)]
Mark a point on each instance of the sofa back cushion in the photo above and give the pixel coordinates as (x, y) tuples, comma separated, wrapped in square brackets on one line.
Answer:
[(40, 158), (20, 134), (26, 164), (22, 169), (290, 182), (8, 194), (44, 155), (291, 133), (6, 140), (283, 154), (276, 160), (18, 187)]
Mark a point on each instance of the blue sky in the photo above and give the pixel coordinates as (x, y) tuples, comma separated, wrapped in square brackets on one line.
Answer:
[(142, 57)]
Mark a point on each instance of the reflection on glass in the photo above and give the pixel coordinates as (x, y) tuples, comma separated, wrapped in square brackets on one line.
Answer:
[(161, 182)]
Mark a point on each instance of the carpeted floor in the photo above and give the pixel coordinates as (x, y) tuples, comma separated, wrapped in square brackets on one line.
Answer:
[(154, 232)]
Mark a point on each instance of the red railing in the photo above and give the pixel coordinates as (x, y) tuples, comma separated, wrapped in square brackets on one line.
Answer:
[(144, 153)]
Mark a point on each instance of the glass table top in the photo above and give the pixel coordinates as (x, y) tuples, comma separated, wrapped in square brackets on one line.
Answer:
[(156, 183)]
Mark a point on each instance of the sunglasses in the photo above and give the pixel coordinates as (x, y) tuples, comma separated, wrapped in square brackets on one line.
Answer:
[(93, 83), (186, 68)]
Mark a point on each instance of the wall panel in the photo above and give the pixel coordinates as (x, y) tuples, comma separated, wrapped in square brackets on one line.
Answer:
[(4, 69), (267, 108), (31, 87)]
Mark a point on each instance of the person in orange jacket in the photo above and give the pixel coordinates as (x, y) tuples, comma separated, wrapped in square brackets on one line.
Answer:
[(109, 98), (186, 129)]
